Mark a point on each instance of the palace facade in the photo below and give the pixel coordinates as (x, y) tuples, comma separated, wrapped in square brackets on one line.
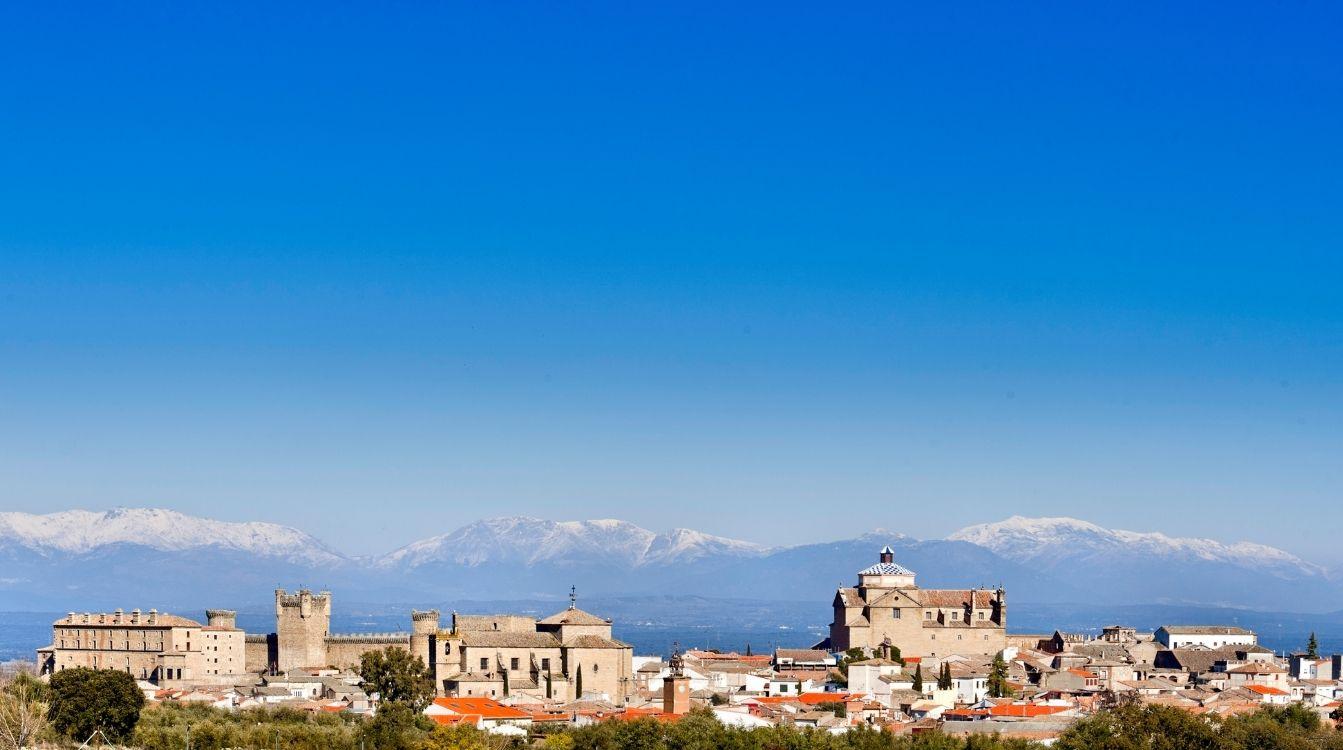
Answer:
[(566, 655), (886, 608)]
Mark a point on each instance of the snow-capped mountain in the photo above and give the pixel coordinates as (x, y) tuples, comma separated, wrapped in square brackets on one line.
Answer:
[(1119, 566), (146, 557), (1048, 541), (78, 532), (534, 541)]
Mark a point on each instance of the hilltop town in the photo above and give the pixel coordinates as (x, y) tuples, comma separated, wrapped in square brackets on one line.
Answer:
[(898, 657)]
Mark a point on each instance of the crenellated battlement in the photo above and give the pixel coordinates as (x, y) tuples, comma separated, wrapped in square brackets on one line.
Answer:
[(302, 623), (396, 638), (303, 599)]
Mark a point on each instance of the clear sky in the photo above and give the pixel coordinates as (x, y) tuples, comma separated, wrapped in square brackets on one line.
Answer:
[(784, 272)]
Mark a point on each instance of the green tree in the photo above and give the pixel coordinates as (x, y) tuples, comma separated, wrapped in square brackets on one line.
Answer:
[(23, 711), (505, 673), (458, 737), (1142, 727), (393, 727), (918, 678), (563, 740), (397, 677), (697, 730), (640, 734), (165, 726), (578, 683), (944, 677), (998, 687), (1313, 647), (84, 701)]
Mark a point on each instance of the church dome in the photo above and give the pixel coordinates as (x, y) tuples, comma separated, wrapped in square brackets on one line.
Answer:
[(886, 569)]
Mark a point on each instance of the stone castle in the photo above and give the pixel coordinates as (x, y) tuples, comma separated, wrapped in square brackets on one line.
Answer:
[(566, 655)]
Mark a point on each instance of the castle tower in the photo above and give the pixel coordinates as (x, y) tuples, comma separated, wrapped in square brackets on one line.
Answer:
[(302, 623), (221, 618), (423, 628)]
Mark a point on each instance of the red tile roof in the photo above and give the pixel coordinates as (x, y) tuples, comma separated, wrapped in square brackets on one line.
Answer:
[(632, 714), (485, 708), (1028, 710), (1265, 690), (812, 699), (448, 720)]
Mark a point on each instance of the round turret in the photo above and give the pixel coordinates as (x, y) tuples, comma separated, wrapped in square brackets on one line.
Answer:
[(221, 618), (423, 628)]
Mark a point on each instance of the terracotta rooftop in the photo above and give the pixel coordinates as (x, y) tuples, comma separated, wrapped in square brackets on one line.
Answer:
[(485, 708), (574, 616)]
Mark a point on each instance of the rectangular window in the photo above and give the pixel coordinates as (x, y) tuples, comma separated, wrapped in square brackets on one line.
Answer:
[(981, 615), (545, 664), (928, 615), (484, 663), (895, 614), (513, 663), (955, 615)]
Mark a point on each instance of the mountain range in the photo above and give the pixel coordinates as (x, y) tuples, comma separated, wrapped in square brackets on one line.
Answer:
[(153, 557)]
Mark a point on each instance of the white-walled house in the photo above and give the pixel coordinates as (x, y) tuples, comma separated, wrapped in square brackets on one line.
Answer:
[(970, 688), (865, 676), (781, 685), (1207, 636), (739, 716)]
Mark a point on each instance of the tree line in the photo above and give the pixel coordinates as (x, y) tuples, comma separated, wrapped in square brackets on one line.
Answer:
[(78, 702)]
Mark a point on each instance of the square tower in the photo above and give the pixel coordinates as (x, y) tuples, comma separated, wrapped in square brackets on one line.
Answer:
[(302, 624)]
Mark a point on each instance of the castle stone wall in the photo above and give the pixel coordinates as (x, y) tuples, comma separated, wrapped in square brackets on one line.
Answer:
[(344, 651), (259, 652)]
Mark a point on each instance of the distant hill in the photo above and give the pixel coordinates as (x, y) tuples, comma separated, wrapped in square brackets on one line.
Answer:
[(149, 557), (1136, 567)]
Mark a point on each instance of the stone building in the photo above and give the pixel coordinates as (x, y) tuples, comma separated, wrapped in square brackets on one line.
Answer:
[(303, 637), (223, 646), (888, 609), (480, 655), (167, 649), (564, 656)]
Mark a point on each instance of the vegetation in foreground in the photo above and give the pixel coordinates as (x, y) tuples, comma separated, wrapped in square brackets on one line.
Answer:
[(64, 712)]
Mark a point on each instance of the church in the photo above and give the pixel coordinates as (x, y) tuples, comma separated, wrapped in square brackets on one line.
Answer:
[(888, 609)]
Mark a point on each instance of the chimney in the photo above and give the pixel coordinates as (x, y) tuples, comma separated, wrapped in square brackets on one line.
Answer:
[(135, 616), (153, 616)]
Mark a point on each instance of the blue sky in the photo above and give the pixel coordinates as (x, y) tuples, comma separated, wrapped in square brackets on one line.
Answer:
[(784, 271)]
